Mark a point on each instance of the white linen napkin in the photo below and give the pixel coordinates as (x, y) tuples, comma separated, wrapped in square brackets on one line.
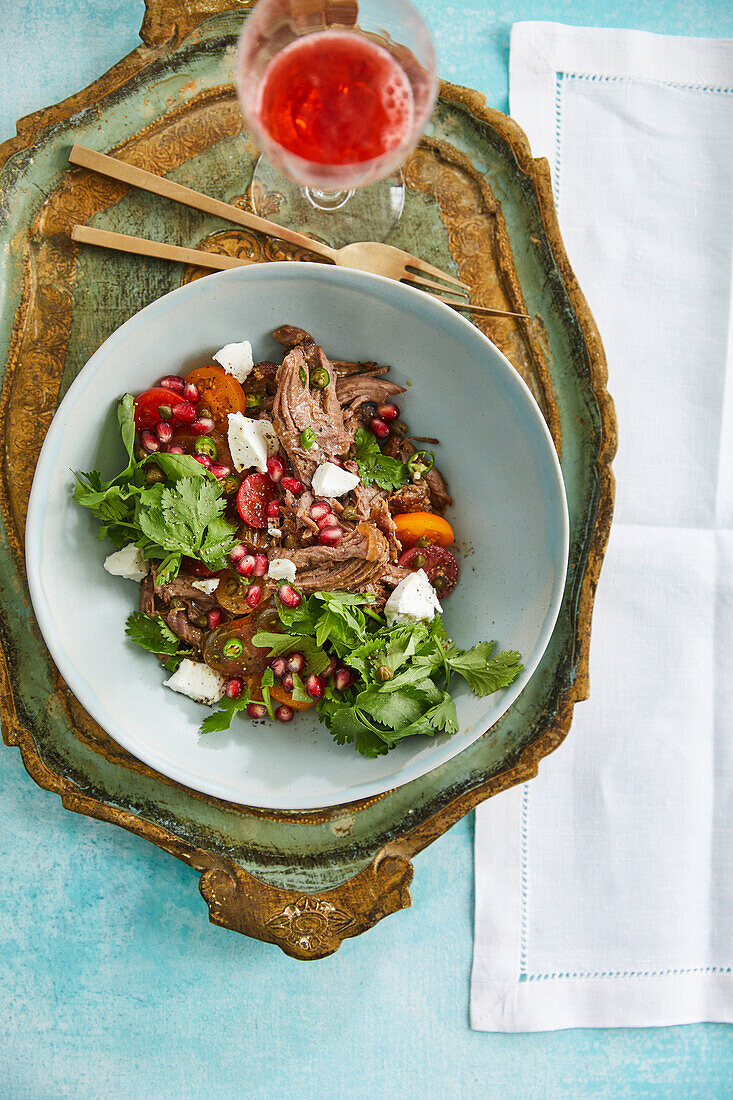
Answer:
[(604, 887)]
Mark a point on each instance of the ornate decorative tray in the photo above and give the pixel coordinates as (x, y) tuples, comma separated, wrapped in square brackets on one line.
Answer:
[(478, 204)]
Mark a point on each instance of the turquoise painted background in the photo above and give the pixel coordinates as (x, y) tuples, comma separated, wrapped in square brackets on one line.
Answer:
[(112, 983)]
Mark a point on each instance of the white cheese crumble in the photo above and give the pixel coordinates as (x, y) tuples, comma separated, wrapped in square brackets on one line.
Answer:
[(128, 563), (197, 681), (330, 480), (281, 569), (208, 586), (250, 442), (236, 359), (413, 600)]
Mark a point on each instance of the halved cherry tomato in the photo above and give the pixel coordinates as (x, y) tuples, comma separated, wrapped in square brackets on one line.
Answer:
[(278, 693), (220, 393), (255, 493), (148, 403), (423, 525), (439, 564)]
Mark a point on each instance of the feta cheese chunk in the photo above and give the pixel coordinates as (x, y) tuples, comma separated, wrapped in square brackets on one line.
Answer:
[(281, 569), (413, 600), (197, 681), (236, 359), (128, 563), (330, 480), (250, 442), (207, 586)]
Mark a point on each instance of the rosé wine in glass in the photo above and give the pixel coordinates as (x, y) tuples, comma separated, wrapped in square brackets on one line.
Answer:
[(336, 94)]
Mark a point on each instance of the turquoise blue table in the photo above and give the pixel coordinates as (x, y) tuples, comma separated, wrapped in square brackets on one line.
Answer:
[(112, 983)]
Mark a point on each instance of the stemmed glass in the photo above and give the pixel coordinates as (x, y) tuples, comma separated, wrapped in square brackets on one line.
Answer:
[(337, 94)]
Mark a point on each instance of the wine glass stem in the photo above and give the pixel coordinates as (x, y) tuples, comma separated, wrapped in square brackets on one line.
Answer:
[(328, 200)]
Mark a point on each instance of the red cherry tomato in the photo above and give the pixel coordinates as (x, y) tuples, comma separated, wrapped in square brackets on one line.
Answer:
[(255, 493), (148, 403), (440, 566)]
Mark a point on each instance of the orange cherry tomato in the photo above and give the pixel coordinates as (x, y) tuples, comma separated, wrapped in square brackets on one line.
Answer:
[(277, 693), (220, 393), (423, 525)]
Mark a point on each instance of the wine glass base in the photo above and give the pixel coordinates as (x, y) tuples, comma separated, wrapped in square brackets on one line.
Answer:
[(334, 217)]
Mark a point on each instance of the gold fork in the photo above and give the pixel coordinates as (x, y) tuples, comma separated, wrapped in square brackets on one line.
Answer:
[(381, 259), (142, 246)]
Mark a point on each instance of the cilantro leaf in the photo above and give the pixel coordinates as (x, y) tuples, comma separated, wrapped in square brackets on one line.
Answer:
[(482, 672), (300, 695), (394, 709), (376, 468), (153, 634), (221, 719)]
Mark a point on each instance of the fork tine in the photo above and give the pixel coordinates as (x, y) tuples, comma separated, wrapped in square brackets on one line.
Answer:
[(427, 269), (420, 282)]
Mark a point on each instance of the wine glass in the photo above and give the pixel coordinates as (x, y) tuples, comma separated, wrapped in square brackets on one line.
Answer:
[(337, 94)]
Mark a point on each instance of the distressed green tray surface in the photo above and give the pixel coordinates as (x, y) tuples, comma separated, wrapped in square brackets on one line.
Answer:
[(477, 204)]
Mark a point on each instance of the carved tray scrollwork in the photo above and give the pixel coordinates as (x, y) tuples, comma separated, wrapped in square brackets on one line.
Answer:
[(478, 203)]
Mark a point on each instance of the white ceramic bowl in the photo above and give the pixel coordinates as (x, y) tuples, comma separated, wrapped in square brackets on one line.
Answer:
[(496, 454)]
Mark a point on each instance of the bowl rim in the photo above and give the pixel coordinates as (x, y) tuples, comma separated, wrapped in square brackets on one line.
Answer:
[(369, 282)]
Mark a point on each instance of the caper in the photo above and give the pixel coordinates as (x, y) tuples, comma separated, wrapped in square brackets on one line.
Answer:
[(423, 542), (384, 673), (349, 513), (418, 561), (202, 410), (399, 428), (140, 452), (231, 586), (439, 583), (153, 475)]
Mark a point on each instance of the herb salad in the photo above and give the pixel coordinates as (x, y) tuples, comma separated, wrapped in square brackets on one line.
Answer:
[(289, 540)]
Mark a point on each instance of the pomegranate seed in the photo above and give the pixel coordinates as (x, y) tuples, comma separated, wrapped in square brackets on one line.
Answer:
[(292, 485), (172, 382), (329, 669), (272, 511), (275, 468), (213, 618), (319, 509), (330, 536), (253, 596), (279, 666), (343, 678), (164, 432), (256, 710), (388, 412), (220, 472), (174, 449), (379, 427), (329, 520), (315, 687), (287, 682), (288, 596), (284, 713), (237, 552), (234, 688), (203, 460), (184, 412), (165, 412), (191, 393), (149, 442), (261, 564), (245, 566), (296, 661), (203, 425)]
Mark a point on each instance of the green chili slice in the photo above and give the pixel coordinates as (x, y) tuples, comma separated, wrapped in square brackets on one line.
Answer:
[(303, 376), (421, 463), (253, 400), (233, 648), (320, 378), (204, 446), (307, 438)]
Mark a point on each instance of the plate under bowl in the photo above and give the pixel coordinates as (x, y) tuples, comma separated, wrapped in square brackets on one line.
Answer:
[(497, 455)]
